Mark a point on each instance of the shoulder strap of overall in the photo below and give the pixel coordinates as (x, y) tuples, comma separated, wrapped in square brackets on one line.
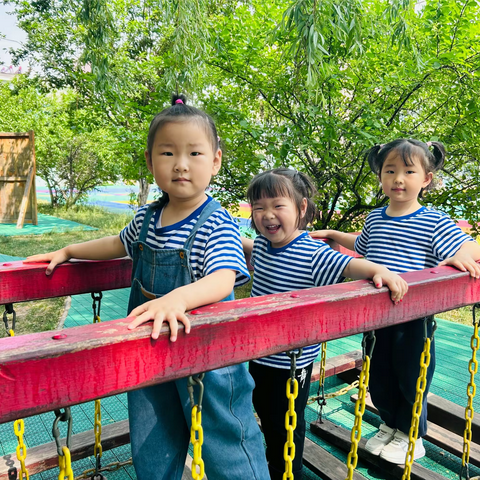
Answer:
[(204, 216), (146, 222)]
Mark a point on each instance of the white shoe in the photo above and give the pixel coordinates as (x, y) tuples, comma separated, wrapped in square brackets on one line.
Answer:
[(396, 450), (383, 437)]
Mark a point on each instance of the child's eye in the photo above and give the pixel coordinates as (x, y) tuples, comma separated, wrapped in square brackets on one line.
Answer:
[(411, 171), (389, 171), (195, 154), (168, 154), (256, 209)]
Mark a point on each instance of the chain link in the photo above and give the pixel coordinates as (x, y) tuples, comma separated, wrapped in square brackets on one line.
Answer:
[(320, 398), (291, 415), (196, 432), (471, 391), (65, 465), (111, 467), (9, 310), (64, 458), (417, 406), (338, 393), (356, 433), (19, 429)]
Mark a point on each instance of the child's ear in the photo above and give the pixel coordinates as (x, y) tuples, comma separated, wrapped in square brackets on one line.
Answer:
[(428, 179), (303, 207), (149, 162), (217, 162)]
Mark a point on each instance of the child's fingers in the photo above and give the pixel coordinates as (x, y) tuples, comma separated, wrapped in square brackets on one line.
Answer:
[(139, 319), (377, 281), (318, 234), (181, 317), (171, 319)]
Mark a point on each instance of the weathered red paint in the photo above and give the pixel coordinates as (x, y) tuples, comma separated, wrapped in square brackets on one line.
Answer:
[(21, 282), (38, 374)]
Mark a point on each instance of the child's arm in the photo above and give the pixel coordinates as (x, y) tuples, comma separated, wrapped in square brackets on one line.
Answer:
[(247, 244), (346, 240), (171, 308), (102, 249), (466, 259), (358, 269)]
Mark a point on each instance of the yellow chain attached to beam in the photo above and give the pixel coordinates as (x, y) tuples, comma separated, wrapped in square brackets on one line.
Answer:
[(323, 363), (196, 437), (19, 429), (290, 426), (417, 406), (471, 391), (65, 465), (356, 434)]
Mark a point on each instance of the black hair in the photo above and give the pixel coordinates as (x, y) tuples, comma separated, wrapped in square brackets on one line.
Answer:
[(179, 111), (285, 182), (409, 149)]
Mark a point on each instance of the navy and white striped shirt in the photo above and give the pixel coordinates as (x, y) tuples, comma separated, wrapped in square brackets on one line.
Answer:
[(412, 242), (303, 263), (217, 244)]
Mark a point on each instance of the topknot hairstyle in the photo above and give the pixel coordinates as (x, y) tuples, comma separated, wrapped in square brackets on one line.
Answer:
[(409, 150), (285, 182), (179, 111)]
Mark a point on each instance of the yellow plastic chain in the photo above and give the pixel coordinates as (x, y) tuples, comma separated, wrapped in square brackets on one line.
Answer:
[(197, 442), (356, 434), (97, 449), (19, 429), (471, 391), (417, 408), (290, 426), (65, 465), (323, 363)]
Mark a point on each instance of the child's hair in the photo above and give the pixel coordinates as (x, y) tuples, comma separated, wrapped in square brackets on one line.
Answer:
[(285, 182), (179, 111), (408, 149)]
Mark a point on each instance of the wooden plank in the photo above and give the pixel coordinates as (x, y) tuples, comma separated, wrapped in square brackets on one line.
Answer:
[(41, 372), (338, 364), (33, 194), (13, 135), (439, 432), (22, 282), (340, 437), (25, 198), (45, 457), (13, 179)]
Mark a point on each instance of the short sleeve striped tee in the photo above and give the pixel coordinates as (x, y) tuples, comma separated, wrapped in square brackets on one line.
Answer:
[(217, 244), (303, 263), (412, 242)]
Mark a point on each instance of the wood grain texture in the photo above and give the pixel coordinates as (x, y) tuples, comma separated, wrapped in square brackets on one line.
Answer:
[(39, 373)]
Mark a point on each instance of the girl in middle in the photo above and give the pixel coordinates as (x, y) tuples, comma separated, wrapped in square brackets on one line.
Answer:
[(286, 259)]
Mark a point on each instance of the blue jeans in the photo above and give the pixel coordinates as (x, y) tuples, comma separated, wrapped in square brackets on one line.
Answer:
[(233, 447)]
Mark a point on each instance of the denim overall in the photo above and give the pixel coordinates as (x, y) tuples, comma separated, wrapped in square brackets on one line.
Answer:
[(160, 415)]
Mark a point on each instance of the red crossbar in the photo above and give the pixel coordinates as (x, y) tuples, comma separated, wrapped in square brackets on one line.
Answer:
[(21, 282), (39, 373)]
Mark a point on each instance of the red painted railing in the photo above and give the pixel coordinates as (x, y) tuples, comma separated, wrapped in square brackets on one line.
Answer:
[(39, 373)]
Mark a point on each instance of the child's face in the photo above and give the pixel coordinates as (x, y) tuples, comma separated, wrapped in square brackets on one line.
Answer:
[(402, 183), (182, 160), (277, 219)]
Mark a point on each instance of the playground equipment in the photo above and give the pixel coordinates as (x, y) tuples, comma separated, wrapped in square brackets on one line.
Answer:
[(46, 371), (18, 198)]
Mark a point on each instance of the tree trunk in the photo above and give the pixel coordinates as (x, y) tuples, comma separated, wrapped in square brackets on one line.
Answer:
[(143, 191)]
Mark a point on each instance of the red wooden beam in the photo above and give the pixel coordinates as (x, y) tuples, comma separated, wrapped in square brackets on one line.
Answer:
[(39, 373), (21, 282)]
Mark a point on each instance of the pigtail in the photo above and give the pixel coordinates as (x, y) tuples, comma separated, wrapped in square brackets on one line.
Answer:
[(309, 193), (439, 154), (179, 99), (375, 161)]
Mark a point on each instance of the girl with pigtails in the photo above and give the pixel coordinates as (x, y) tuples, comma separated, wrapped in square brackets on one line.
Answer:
[(405, 236)]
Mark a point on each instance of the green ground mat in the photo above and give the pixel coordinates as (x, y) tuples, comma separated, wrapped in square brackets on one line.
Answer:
[(46, 224), (450, 382)]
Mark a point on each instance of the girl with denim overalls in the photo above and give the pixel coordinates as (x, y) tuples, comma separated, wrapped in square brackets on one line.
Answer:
[(405, 236), (186, 252)]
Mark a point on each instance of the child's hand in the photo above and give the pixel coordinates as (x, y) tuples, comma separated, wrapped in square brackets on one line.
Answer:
[(464, 261), (55, 258), (169, 309), (397, 285), (319, 233)]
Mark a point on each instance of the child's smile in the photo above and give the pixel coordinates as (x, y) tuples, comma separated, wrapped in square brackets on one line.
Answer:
[(277, 219)]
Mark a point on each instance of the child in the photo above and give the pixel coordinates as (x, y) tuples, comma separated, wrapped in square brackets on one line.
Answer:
[(186, 252), (404, 236), (287, 259)]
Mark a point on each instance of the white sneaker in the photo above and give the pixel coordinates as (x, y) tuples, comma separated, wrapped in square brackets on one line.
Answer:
[(396, 450), (383, 437)]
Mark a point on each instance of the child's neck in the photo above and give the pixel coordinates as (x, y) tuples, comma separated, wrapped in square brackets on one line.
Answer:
[(177, 210), (400, 209)]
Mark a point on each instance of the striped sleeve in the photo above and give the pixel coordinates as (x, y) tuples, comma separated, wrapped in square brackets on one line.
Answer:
[(328, 266), (361, 241), (131, 232), (448, 238), (223, 250)]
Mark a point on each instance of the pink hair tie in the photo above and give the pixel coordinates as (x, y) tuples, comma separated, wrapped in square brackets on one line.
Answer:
[(179, 100), (429, 144)]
